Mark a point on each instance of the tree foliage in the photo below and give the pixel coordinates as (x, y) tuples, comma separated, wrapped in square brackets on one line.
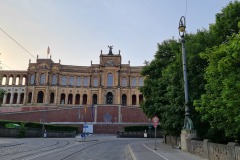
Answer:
[(220, 104), (163, 84)]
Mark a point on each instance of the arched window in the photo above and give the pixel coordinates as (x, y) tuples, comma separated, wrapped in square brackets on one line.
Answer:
[(8, 98), (134, 82), (134, 100), (140, 81), (70, 97), (94, 99), (10, 82), (4, 80), (71, 81), (21, 98), (62, 99), (84, 99), (32, 79), (23, 80), (77, 99), (17, 80), (15, 95), (140, 98), (54, 79), (52, 97), (109, 98), (42, 78), (85, 82), (78, 81), (95, 82), (40, 97), (64, 80), (30, 97), (110, 80), (124, 100), (124, 82)]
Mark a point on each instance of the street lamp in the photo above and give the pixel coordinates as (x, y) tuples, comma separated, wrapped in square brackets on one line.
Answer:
[(188, 125)]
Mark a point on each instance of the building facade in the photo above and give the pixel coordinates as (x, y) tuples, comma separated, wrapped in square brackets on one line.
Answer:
[(48, 83)]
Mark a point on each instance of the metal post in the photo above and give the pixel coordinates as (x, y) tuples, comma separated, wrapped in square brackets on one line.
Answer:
[(155, 138)]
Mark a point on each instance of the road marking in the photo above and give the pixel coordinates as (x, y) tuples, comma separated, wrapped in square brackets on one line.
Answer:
[(155, 152)]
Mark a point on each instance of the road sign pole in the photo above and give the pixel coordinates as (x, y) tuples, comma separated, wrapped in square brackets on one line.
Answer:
[(155, 138)]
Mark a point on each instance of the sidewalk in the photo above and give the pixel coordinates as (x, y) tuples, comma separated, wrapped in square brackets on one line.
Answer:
[(146, 150)]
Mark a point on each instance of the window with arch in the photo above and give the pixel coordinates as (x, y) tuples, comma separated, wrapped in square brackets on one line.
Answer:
[(52, 97), (29, 97), (124, 82), (42, 78), (77, 99), (21, 98), (110, 80), (8, 98), (84, 99), (95, 82), (134, 99), (78, 81), (15, 96), (94, 99), (70, 98), (140, 81), (17, 82), (124, 100), (62, 98), (54, 79), (40, 97), (4, 80), (10, 82), (64, 80), (71, 81), (32, 79), (85, 82), (109, 98), (23, 80), (134, 82)]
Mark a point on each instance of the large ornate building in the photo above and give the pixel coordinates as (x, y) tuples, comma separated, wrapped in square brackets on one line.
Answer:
[(48, 83)]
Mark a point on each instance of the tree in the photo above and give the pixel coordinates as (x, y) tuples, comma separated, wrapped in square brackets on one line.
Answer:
[(220, 104)]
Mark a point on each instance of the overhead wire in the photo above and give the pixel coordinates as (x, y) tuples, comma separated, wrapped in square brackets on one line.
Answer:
[(17, 43)]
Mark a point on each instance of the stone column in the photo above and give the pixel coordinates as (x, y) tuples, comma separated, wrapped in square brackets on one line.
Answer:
[(4, 99), (186, 136), (118, 78), (18, 98), (11, 98)]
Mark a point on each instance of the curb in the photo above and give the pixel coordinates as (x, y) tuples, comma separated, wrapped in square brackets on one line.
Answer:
[(131, 153)]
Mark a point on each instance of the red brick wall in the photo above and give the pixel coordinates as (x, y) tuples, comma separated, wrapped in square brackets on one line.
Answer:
[(70, 114)]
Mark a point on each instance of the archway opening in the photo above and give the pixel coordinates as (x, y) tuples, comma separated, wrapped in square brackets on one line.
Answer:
[(94, 100), (109, 98), (124, 100), (40, 97)]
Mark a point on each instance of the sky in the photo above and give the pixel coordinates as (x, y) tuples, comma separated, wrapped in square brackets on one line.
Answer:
[(77, 30)]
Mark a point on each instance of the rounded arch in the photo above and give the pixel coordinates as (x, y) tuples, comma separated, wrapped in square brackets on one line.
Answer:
[(109, 98), (40, 97), (15, 96), (94, 99), (77, 99), (52, 97), (70, 98), (124, 99), (62, 98), (140, 98), (134, 99), (21, 98), (84, 99), (29, 97), (8, 98)]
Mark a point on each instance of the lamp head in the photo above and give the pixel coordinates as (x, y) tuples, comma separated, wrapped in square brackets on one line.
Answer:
[(182, 26)]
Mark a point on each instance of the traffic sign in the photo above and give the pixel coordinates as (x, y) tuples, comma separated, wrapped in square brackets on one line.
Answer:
[(155, 121)]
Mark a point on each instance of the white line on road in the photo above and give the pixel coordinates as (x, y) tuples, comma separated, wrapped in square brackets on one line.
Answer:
[(155, 152)]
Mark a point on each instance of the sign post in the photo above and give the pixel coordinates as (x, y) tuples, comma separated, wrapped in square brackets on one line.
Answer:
[(155, 121)]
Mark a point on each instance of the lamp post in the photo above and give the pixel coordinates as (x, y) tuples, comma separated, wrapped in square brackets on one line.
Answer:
[(188, 125)]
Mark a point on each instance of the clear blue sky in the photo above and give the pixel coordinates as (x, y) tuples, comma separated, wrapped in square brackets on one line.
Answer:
[(76, 30)]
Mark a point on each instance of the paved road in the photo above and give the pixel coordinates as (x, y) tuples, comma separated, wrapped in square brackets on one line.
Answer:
[(95, 147)]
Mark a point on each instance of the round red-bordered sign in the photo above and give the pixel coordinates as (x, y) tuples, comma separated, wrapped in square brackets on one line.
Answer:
[(155, 121)]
